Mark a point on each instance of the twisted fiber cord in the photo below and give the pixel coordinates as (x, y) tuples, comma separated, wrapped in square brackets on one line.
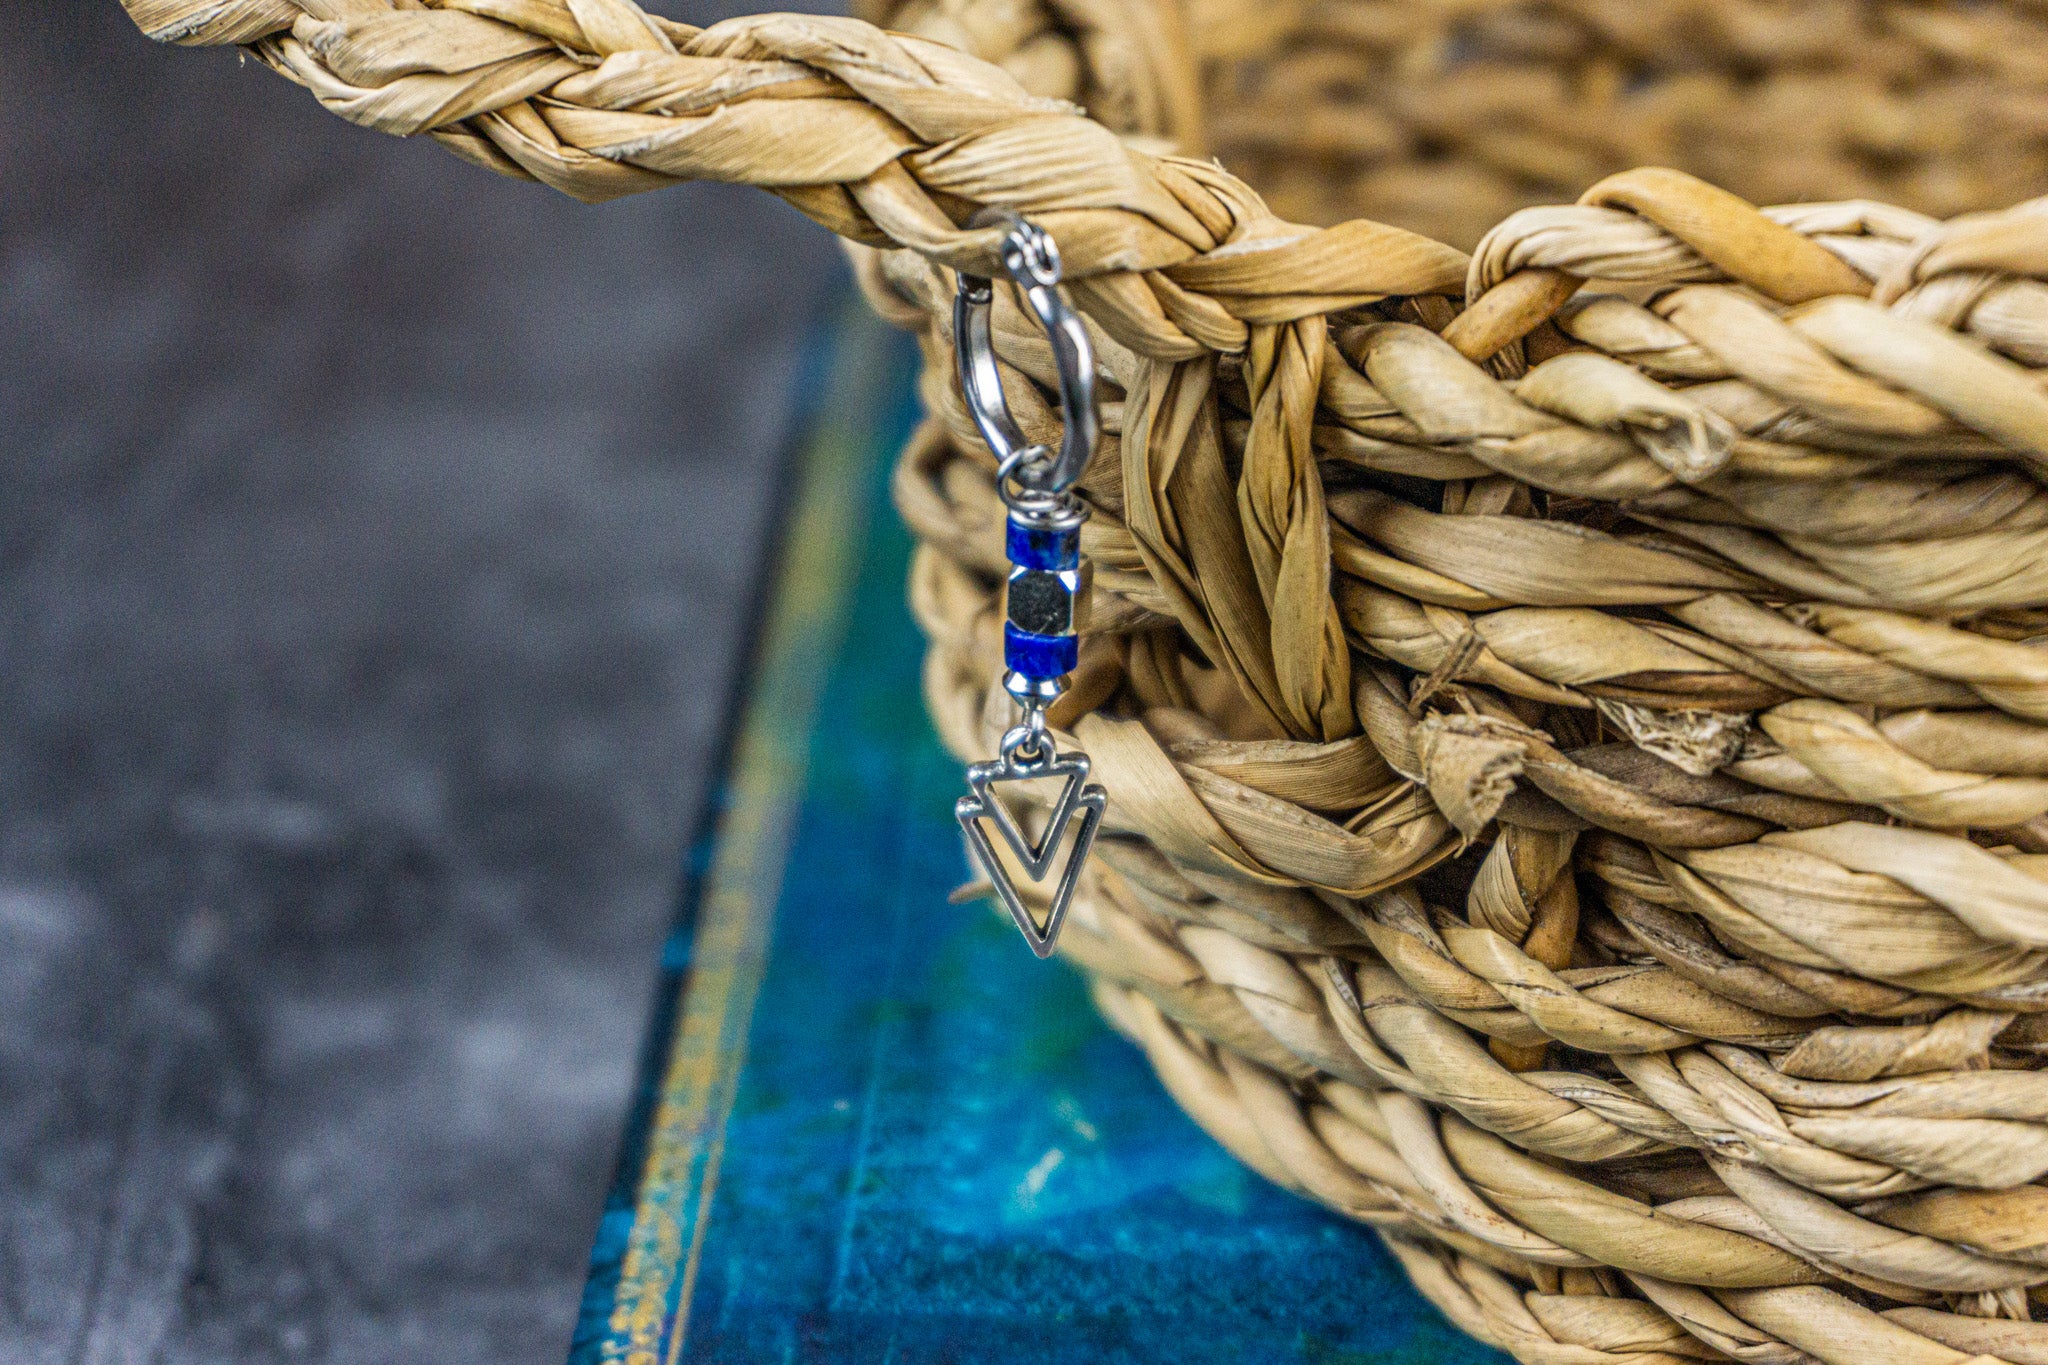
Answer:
[(1128, 62), (1726, 568), (888, 140), (1446, 116)]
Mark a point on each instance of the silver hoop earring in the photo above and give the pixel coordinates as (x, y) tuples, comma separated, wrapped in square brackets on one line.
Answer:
[(1047, 591)]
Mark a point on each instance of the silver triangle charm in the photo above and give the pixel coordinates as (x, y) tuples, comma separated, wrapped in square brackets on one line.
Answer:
[(982, 808), (1035, 856)]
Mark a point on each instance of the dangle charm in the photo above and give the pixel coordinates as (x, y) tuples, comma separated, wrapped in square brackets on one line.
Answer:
[(1048, 586)]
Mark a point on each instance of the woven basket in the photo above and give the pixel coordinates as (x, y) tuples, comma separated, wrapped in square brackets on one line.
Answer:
[(1574, 716)]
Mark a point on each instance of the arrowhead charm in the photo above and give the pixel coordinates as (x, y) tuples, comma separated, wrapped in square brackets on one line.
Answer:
[(1046, 594), (1037, 857)]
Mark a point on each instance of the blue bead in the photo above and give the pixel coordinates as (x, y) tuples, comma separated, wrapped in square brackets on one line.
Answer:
[(1040, 656), (1032, 548)]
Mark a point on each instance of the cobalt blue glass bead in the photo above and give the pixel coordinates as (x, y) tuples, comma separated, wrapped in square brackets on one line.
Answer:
[(1033, 548), (1040, 656)]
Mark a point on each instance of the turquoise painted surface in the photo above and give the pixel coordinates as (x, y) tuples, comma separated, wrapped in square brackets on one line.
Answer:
[(937, 1152)]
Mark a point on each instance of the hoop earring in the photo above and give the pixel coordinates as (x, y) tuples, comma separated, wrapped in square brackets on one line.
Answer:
[(1047, 591)]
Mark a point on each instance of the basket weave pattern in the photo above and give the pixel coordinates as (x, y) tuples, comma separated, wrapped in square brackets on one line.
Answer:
[(1578, 755)]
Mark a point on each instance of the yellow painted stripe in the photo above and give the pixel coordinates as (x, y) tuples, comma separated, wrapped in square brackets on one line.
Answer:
[(735, 923)]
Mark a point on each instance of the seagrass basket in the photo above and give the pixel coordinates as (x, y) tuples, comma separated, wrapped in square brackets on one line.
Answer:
[(1576, 713)]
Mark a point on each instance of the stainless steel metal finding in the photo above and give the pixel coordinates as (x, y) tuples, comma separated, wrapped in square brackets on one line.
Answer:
[(1037, 486), (1032, 261), (1037, 856)]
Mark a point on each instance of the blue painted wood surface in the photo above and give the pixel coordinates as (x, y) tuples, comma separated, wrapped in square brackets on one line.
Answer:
[(874, 1129)]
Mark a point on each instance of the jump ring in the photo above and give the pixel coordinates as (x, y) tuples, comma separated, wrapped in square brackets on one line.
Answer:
[(1028, 746)]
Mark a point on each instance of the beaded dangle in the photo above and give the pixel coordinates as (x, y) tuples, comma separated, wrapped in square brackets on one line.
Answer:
[(1047, 591)]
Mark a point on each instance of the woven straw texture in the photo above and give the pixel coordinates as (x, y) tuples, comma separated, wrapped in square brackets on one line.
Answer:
[(1574, 713)]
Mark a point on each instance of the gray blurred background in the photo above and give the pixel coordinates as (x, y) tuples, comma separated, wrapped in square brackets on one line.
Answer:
[(376, 538)]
